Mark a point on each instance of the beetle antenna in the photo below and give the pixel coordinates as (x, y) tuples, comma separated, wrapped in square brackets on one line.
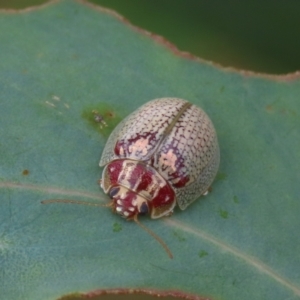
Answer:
[(155, 236), (75, 202)]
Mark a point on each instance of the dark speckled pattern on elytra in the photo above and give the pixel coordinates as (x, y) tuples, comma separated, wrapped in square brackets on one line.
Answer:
[(176, 138)]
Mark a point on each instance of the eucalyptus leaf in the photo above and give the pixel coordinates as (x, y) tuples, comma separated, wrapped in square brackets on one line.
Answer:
[(64, 62)]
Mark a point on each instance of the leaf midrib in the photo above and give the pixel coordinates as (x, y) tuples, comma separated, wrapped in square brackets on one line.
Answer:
[(250, 260)]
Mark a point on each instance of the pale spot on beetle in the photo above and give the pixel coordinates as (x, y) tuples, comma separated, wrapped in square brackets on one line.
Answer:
[(119, 209), (168, 159), (122, 195), (134, 202), (126, 213), (119, 202), (131, 208), (141, 145), (121, 151)]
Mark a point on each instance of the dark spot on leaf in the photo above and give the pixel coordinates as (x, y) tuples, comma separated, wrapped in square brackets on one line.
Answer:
[(269, 108), (222, 89), (117, 227), (25, 172), (110, 114), (221, 176), (283, 111), (223, 213), (179, 236), (236, 199), (202, 253)]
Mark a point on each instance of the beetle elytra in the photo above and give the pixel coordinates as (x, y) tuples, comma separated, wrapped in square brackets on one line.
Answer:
[(163, 154)]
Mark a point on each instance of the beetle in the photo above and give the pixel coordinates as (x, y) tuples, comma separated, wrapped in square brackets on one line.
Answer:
[(164, 153)]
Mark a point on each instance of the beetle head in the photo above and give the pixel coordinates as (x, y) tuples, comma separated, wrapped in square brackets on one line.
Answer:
[(127, 203)]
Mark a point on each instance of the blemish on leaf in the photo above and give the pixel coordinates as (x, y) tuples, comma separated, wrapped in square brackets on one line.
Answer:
[(102, 118), (179, 236), (110, 114), (5, 244), (55, 98), (236, 199), (117, 227), (275, 108), (269, 108), (99, 119), (223, 213), (50, 104), (222, 89), (202, 253), (221, 176), (25, 172)]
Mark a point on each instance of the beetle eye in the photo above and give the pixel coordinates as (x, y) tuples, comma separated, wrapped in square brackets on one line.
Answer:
[(143, 209), (113, 191)]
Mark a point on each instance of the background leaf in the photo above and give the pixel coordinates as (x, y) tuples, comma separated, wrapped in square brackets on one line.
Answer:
[(253, 35), (59, 63)]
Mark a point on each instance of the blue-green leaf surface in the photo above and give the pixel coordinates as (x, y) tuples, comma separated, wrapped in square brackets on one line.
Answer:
[(60, 62)]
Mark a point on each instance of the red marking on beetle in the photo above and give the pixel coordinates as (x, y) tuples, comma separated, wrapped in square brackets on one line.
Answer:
[(122, 147), (137, 174), (146, 180), (115, 168), (117, 173), (165, 197), (182, 182)]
